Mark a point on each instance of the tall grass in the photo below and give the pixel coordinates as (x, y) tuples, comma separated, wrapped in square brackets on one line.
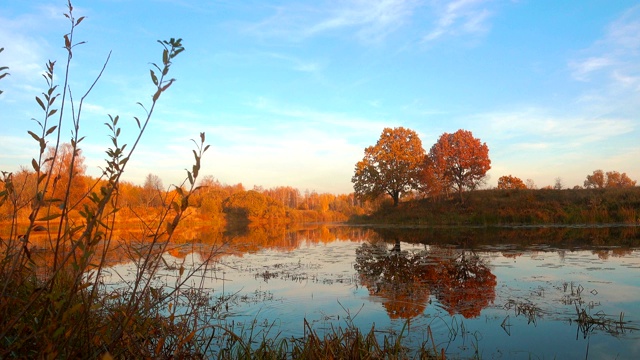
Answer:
[(517, 207), (61, 308)]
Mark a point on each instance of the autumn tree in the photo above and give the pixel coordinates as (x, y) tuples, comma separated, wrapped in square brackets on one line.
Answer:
[(392, 166), (152, 191), (531, 185), (611, 179), (617, 180), (595, 180), (457, 161), (67, 169), (510, 182), (558, 184), (253, 207), (18, 188)]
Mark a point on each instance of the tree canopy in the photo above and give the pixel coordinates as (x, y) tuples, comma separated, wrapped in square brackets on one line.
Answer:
[(611, 179), (392, 166), (253, 206), (510, 182), (457, 161)]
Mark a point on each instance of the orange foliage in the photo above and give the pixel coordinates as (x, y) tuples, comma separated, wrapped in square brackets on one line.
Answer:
[(465, 285), (610, 179), (510, 182), (457, 161), (63, 166), (462, 283), (392, 166)]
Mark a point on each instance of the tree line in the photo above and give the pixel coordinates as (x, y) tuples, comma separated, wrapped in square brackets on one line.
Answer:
[(213, 202), (397, 166)]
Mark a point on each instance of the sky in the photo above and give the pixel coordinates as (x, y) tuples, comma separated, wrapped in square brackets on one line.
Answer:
[(290, 93)]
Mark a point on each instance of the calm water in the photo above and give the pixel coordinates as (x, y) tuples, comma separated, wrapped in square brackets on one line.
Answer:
[(493, 293)]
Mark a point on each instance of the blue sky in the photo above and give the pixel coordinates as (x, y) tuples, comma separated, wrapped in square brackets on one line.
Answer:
[(291, 92)]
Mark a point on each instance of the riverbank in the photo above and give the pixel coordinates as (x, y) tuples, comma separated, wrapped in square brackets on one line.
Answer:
[(515, 207)]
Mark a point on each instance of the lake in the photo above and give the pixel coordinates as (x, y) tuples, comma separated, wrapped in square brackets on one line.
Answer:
[(513, 292)]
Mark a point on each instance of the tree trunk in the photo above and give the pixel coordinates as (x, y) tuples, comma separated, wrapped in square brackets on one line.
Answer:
[(396, 198)]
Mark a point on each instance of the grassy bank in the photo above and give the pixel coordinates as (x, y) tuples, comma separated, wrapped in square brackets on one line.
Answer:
[(516, 207)]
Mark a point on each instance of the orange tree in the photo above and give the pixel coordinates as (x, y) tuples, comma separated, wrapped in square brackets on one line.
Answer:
[(610, 179), (253, 207), (617, 180), (392, 166), (595, 180), (66, 165), (510, 182), (457, 161)]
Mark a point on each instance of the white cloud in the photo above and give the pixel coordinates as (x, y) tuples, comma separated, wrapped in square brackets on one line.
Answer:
[(616, 56), (338, 122), (534, 128), (369, 21), (582, 69), (459, 17)]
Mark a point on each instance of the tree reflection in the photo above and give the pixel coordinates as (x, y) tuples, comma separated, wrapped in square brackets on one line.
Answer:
[(399, 277), (465, 284), (460, 280)]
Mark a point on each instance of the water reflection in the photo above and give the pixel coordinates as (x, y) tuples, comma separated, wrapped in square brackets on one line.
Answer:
[(460, 280), (502, 291), (402, 278)]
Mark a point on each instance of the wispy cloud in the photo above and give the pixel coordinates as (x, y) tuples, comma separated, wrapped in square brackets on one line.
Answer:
[(298, 64), (581, 70), (610, 69), (556, 130), (459, 17), (338, 122), (369, 21), (26, 39), (617, 53), (540, 144)]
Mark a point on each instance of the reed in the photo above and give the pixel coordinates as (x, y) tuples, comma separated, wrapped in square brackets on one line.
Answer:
[(339, 343)]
